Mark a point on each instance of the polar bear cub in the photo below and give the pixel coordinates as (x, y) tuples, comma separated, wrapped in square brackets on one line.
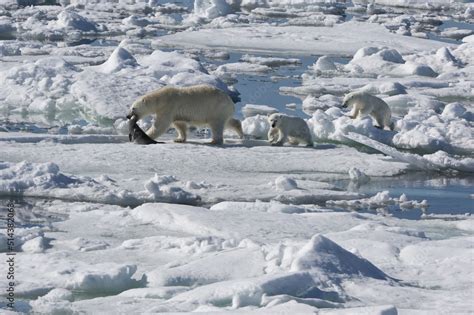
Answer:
[(180, 106), (288, 128), (366, 104)]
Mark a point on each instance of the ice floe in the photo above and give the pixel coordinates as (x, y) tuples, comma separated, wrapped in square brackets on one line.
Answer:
[(264, 230), (46, 180), (102, 92), (345, 38)]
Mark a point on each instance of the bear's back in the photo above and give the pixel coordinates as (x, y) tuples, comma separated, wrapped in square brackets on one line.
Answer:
[(194, 90)]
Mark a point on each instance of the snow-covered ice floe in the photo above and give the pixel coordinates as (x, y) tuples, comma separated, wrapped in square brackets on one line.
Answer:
[(417, 87), (44, 180), (437, 161), (99, 92), (343, 39), (213, 174), (242, 257), (105, 226)]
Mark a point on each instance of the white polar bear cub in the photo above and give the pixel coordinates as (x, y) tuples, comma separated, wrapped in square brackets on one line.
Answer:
[(196, 105), (288, 128), (366, 104)]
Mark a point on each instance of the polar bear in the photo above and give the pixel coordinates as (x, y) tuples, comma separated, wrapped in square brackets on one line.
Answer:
[(366, 104), (180, 106), (284, 127)]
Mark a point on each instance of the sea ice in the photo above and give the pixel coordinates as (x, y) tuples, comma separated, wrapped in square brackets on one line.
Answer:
[(263, 235), (256, 126), (345, 38), (250, 110), (45, 179)]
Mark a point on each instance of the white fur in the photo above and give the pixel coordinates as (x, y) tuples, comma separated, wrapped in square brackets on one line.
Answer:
[(180, 106), (288, 128), (364, 104)]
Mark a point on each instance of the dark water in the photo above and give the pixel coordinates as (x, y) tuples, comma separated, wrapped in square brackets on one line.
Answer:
[(264, 89), (445, 194)]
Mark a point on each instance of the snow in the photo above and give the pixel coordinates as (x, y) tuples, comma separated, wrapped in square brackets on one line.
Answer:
[(439, 160), (250, 110), (253, 268), (418, 4), (103, 91), (72, 20), (285, 183), (345, 38), (270, 61), (241, 67), (324, 64), (119, 59), (311, 103), (256, 126), (353, 225), (321, 255), (380, 201), (403, 95), (35, 245), (45, 179), (211, 9), (374, 60), (104, 279), (358, 176)]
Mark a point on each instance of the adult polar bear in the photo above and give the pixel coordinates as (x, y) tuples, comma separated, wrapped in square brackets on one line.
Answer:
[(196, 105), (364, 104)]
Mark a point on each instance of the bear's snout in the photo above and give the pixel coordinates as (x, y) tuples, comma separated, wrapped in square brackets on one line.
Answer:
[(274, 124), (130, 114)]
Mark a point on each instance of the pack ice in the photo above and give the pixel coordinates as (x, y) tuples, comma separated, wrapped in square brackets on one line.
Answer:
[(104, 226)]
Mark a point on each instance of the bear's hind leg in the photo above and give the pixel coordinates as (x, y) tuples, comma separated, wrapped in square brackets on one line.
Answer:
[(388, 123), (308, 140), (156, 131), (180, 127), (236, 125), (217, 129), (293, 141), (379, 120)]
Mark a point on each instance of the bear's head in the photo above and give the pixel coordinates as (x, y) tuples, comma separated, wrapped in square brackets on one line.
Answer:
[(348, 99), (275, 120), (140, 108), (352, 98)]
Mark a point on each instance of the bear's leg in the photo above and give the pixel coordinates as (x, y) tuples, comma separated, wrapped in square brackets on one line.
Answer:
[(159, 127), (281, 139), (293, 141), (355, 112), (307, 139), (236, 125), (217, 129), (379, 120), (387, 122), (181, 129), (273, 134)]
